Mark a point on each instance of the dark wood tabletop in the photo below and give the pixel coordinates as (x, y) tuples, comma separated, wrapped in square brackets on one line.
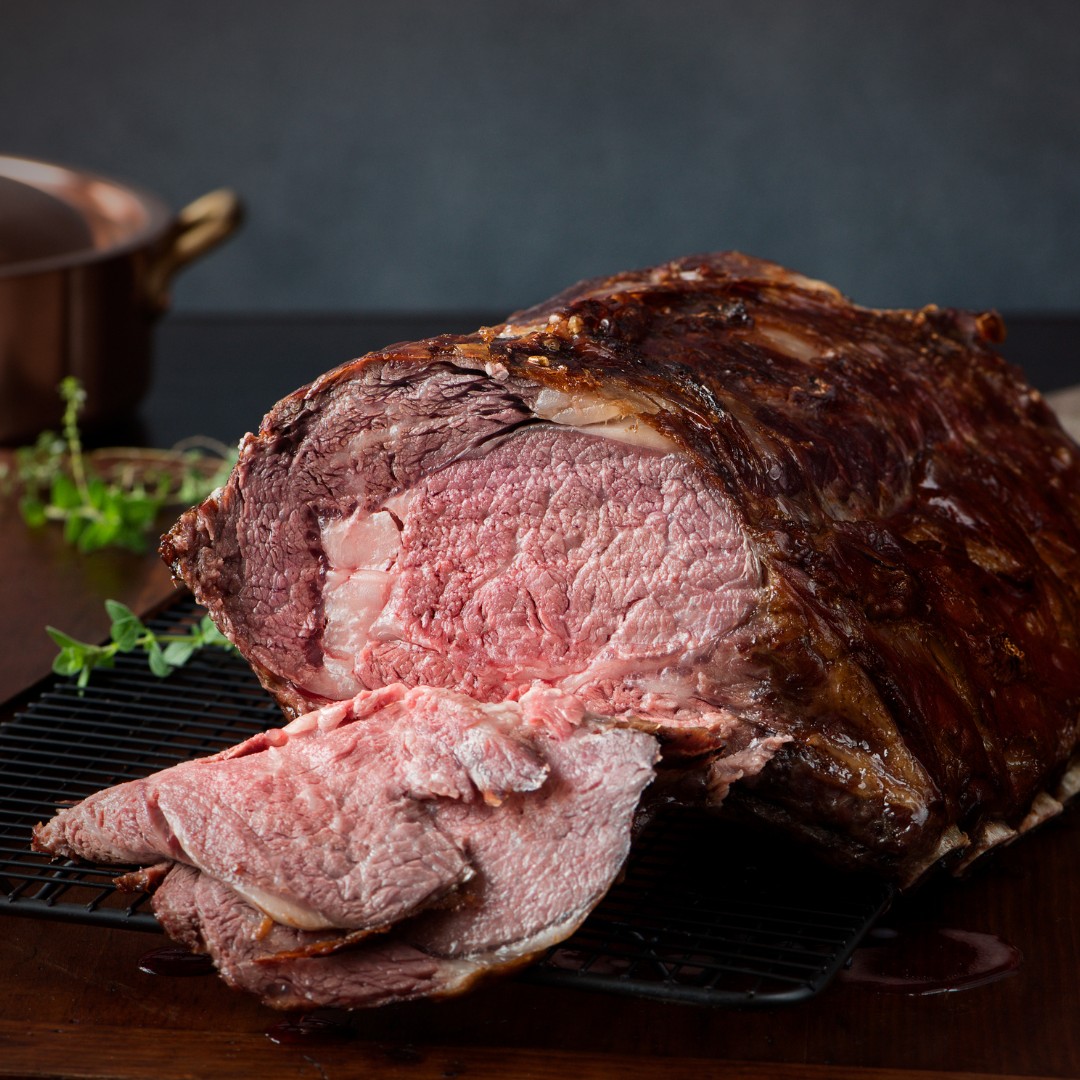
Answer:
[(73, 1001)]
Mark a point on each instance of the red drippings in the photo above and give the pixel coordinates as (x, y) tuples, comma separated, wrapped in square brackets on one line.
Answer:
[(920, 960), (173, 960), (314, 1027)]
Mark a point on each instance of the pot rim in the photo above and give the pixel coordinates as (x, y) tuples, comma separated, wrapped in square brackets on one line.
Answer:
[(89, 194)]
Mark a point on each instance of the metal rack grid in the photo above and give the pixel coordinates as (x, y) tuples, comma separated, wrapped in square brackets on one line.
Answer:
[(706, 912)]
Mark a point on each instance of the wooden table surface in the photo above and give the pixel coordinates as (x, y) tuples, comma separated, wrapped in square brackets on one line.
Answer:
[(73, 1001)]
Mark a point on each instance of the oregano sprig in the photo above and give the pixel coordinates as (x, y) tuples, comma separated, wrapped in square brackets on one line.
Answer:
[(60, 482), (128, 633)]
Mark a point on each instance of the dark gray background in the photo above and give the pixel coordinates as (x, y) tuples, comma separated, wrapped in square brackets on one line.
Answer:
[(479, 155)]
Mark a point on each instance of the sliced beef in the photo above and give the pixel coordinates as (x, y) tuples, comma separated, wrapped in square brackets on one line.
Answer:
[(542, 862), (207, 916), (321, 827), (714, 498), (370, 810)]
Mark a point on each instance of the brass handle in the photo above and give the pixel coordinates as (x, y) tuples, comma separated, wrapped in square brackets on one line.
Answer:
[(200, 226)]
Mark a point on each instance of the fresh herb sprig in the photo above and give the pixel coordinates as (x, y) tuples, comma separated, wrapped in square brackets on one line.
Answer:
[(98, 508), (164, 652)]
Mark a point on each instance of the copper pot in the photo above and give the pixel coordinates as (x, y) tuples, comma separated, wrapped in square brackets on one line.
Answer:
[(85, 268)]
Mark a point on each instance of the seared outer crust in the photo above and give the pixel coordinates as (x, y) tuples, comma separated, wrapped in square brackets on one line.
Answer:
[(915, 504)]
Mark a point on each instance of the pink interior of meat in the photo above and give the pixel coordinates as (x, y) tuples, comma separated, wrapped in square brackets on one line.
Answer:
[(601, 567)]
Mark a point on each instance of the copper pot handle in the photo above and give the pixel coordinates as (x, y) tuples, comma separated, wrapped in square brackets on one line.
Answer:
[(200, 226)]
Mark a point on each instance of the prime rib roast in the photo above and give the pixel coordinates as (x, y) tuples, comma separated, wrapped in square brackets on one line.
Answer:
[(701, 533)]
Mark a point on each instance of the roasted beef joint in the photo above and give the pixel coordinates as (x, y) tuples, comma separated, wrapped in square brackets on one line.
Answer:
[(708, 526)]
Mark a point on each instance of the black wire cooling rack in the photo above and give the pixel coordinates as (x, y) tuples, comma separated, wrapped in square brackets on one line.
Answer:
[(706, 912)]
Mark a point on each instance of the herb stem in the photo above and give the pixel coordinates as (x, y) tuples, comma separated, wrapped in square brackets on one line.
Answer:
[(71, 390)]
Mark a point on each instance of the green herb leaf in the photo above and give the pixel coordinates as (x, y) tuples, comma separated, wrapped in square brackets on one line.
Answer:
[(65, 641), (98, 495), (73, 529), (68, 661), (117, 611), (126, 626), (178, 653), (95, 535), (158, 664), (211, 635), (33, 511), (140, 510), (64, 493), (79, 657)]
